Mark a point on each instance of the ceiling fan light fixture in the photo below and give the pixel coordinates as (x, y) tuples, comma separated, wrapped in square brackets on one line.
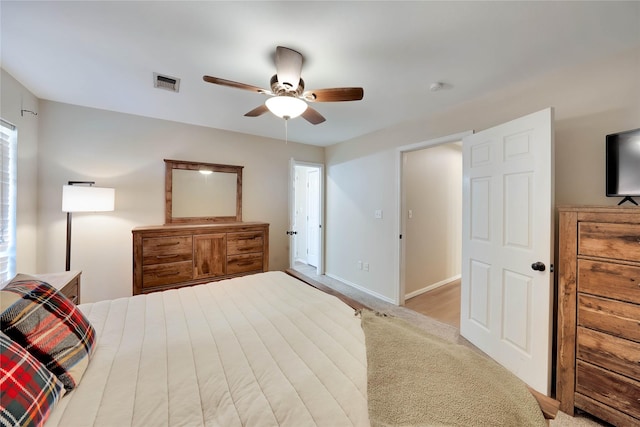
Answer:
[(286, 107)]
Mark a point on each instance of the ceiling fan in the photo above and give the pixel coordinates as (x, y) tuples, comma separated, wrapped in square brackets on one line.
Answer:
[(288, 99)]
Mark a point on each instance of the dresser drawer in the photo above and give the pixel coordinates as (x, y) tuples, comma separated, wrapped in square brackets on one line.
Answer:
[(166, 274), (607, 240), (242, 243), (72, 290), (609, 280), (244, 263), (614, 317), (616, 354), (607, 387), (160, 250)]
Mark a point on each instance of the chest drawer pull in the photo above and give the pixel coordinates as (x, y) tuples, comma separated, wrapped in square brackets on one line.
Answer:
[(168, 274), (244, 264)]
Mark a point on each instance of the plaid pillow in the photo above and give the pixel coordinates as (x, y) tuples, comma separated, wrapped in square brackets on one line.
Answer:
[(28, 391), (49, 326)]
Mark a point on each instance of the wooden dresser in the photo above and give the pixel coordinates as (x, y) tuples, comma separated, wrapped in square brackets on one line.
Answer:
[(598, 367), (171, 256)]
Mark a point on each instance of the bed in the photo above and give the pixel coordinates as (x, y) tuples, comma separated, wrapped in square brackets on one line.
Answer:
[(258, 350)]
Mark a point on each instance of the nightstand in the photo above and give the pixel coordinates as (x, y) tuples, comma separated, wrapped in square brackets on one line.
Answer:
[(67, 282)]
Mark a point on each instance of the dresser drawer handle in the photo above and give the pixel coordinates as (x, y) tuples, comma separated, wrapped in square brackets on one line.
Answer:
[(164, 256), (172, 273), (242, 264), (168, 244)]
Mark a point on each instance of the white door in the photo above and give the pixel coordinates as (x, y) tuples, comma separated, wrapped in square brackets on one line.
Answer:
[(292, 213), (313, 216), (315, 210), (507, 228)]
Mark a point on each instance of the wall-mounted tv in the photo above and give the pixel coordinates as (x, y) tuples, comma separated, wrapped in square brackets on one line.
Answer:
[(623, 165)]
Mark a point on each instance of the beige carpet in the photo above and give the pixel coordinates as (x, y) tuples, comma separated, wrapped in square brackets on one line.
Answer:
[(418, 379), (447, 332)]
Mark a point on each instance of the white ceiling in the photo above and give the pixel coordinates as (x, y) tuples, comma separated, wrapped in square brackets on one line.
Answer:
[(103, 54)]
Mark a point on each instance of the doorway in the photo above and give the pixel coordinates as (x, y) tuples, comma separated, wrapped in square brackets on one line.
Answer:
[(432, 209), (306, 217)]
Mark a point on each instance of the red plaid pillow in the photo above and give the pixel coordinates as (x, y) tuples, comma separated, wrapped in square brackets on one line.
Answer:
[(49, 326), (28, 391)]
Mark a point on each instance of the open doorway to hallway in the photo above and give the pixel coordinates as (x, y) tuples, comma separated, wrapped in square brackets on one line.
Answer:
[(442, 304), (306, 216), (432, 210)]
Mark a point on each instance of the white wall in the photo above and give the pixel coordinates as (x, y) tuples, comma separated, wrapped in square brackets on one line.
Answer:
[(432, 183), (590, 101), (15, 97), (126, 152)]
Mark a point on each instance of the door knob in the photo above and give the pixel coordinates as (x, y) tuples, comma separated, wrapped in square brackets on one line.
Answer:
[(538, 266), (291, 233)]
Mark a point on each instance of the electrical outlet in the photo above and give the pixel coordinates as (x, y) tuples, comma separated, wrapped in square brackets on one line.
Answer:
[(366, 266), (359, 265), (378, 214)]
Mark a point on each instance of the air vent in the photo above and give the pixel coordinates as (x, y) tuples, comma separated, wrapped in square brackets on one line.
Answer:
[(166, 82)]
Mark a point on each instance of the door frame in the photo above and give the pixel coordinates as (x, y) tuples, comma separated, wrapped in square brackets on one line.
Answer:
[(321, 232), (400, 197)]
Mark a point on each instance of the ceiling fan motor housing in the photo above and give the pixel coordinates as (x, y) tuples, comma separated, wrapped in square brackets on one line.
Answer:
[(279, 89)]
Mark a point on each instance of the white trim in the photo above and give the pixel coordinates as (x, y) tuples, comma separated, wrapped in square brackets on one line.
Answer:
[(432, 286), (399, 264), (362, 289)]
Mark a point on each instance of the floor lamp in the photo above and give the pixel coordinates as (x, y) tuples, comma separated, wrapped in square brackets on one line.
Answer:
[(81, 196)]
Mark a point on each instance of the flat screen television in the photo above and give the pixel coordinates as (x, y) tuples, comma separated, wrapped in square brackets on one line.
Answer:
[(623, 165)]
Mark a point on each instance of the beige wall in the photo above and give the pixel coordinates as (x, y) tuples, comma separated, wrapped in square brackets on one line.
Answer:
[(126, 152), (590, 101), (67, 142), (15, 97), (432, 184)]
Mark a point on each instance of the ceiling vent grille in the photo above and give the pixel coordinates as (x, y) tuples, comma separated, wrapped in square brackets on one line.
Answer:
[(166, 82)]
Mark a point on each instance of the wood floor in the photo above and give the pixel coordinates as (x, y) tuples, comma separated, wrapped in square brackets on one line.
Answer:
[(442, 304)]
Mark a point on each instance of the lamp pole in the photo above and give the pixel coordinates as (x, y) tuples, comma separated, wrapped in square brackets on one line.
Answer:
[(68, 259)]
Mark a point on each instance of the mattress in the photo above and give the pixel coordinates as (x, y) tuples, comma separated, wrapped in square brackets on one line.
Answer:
[(259, 350)]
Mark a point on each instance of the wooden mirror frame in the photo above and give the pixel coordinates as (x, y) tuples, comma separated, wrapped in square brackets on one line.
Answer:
[(170, 165)]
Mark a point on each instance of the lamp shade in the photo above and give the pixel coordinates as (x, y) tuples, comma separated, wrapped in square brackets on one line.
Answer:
[(286, 107), (76, 198)]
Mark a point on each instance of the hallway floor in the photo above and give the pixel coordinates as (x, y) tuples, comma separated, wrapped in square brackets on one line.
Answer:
[(442, 304)]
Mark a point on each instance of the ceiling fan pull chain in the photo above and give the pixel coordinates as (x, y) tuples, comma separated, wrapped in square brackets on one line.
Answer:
[(286, 131)]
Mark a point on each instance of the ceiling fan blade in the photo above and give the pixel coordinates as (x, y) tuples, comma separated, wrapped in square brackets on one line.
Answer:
[(230, 83), (288, 67), (312, 116), (258, 111), (334, 94)]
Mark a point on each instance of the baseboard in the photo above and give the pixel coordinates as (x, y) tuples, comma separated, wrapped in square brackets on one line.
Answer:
[(432, 287), (361, 289)]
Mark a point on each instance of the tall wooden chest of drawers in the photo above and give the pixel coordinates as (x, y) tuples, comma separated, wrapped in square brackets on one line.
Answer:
[(171, 256), (598, 367)]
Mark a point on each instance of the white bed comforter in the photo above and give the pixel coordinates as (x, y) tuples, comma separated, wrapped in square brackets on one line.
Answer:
[(260, 350)]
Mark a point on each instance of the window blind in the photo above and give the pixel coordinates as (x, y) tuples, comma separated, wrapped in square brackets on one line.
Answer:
[(8, 141)]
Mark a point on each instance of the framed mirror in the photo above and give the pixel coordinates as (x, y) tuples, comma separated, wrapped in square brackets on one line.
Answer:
[(202, 192)]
